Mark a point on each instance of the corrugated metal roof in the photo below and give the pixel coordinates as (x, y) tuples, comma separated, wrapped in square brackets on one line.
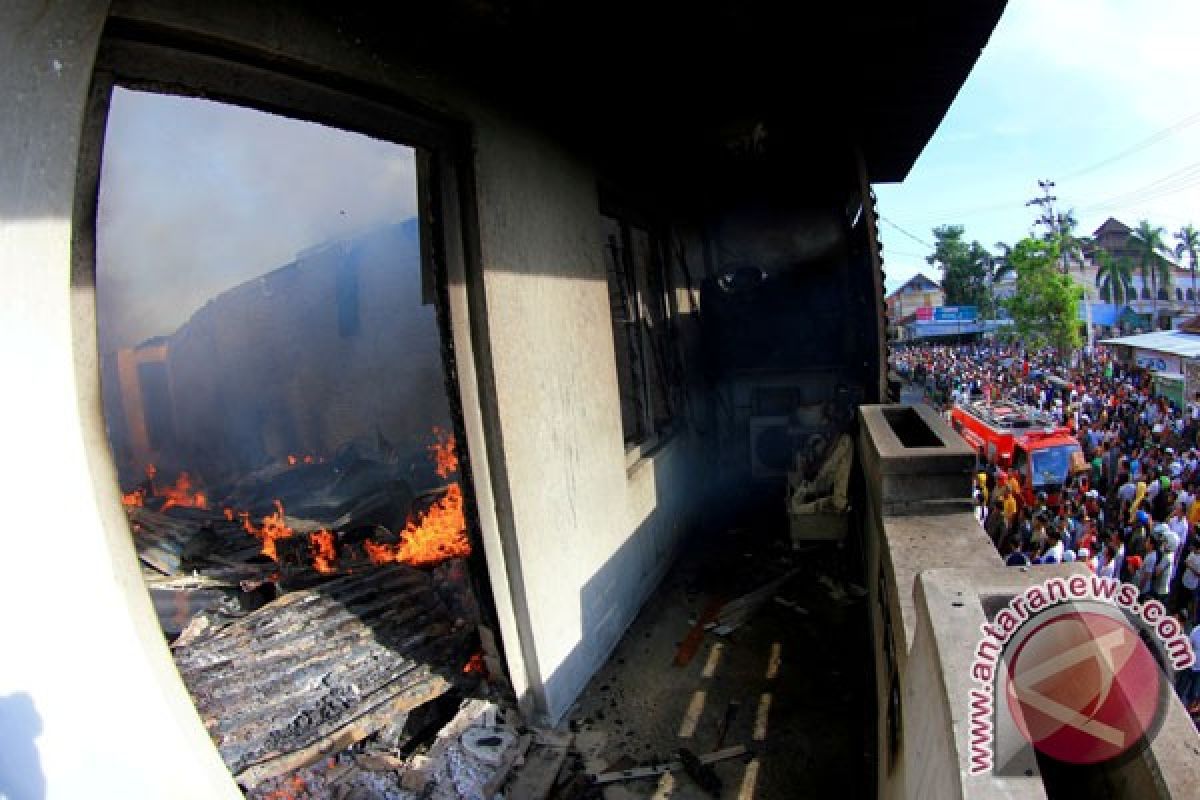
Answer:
[(1176, 343)]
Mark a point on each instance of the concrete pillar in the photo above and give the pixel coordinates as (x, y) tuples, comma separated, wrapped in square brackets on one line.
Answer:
[(90, 702)]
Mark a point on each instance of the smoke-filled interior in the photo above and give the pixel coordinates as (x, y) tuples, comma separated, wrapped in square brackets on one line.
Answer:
[(297, 393)]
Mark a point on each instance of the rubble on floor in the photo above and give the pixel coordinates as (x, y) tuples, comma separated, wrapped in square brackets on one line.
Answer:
[(482, 752), (751, 656)]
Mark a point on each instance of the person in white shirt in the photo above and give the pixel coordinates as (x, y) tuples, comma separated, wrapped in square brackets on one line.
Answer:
[(1143, 579), (1107, 562), (1174, 544), (1055, 549), (1164, 568)]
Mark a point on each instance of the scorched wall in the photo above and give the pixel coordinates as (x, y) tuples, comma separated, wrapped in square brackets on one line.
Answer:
[(576, 533)]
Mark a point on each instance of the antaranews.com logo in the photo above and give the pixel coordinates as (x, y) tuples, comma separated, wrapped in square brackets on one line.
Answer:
[(1064, 667)]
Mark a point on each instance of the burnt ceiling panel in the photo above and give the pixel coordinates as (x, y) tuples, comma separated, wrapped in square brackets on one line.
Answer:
[(676, 77), (675, 82)]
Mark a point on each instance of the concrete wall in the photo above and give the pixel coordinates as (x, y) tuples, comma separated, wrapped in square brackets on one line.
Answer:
[(575, 534), (592, 536), (89, 701)]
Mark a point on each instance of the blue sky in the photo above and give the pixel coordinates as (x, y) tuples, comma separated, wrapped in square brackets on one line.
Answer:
[(1101, 96)]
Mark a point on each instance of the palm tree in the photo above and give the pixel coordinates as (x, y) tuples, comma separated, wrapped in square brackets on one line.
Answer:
[(1189, 243), (1114, 276), (1147, 242), (997, 267), (1071, 247)]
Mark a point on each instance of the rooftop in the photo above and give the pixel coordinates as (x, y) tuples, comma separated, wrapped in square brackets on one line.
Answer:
[(1176, 343)]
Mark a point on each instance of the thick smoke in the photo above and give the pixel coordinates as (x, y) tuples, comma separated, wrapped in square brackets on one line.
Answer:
[(198, 196)]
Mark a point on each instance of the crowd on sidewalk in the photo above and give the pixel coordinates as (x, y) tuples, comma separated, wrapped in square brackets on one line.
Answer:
[(1130, 508)]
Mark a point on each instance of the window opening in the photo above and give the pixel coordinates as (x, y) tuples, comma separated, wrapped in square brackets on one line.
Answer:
[(646, 357), (277, 408)]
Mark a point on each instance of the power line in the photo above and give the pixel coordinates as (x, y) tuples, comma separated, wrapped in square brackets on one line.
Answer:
[(1138, 146), (1173, 182), (1149, 141), (912, 236), (891, 251)]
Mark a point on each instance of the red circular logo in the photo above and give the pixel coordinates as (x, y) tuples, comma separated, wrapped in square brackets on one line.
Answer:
[(1082, 687)]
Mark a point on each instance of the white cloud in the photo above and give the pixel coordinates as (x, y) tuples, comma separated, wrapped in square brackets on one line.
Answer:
[(1064, 85), (1142, 51)]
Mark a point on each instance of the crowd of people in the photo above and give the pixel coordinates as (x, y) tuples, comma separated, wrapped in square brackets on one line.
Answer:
[(1128, 509)]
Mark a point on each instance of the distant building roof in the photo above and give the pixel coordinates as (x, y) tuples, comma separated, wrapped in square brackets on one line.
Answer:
[(1112, 225), (917, 283), (1176, 343)]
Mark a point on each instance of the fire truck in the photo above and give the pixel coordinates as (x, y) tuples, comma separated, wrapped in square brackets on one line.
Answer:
[(1015, 437)]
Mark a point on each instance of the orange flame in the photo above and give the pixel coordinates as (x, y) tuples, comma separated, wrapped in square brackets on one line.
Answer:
[(293, 460), (181, 493), (324, 554), (475, 665), (438, 534), (297, 789), (273, 529), (136, 498), (443, 451)]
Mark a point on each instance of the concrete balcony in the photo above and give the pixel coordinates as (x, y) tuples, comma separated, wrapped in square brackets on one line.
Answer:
[(934, 579)]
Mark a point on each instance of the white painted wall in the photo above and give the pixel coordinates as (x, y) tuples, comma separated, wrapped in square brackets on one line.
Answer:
[(90, 704), (593, 538)]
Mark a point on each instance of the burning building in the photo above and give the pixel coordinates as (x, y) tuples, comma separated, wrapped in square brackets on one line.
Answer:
[(647, 272)]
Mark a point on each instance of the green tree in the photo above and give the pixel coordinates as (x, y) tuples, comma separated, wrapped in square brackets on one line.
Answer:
[(1045, 307), (1188, 239), (1147, 241), (964, 267), (1114, 276), (1072, 248)]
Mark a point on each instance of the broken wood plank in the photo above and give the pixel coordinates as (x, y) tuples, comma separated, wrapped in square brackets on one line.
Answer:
[(535, 778), (380, 762), (635, 773), (734, 613), (691, 643), (339, 739), (549, 737), (421, 768)]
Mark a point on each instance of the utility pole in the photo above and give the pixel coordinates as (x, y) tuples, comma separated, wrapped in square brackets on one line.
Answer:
[(1052, 221)]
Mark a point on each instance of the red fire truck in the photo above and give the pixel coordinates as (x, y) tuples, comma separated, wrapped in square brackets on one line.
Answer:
[(1020, 438)]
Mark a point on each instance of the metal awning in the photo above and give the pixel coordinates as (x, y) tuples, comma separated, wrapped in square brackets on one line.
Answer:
[(1175, 343)]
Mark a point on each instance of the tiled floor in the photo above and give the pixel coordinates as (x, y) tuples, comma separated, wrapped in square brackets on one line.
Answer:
[(800, 681)]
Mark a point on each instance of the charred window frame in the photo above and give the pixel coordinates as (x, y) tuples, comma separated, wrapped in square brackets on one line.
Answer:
[(152, 57), (648, 376)]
